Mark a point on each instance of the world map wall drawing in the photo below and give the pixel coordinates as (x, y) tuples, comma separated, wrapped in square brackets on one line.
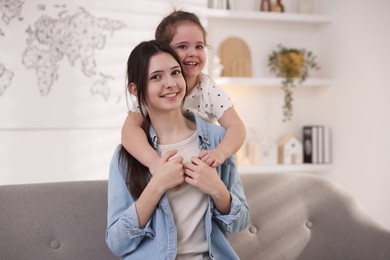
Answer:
[(5, 78), (74, 36), (9, 10), (63, 63)]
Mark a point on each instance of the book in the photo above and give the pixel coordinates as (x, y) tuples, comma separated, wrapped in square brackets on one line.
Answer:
[(327, 145), (316, 144), (307, 141), (320, 144), (314, 139)]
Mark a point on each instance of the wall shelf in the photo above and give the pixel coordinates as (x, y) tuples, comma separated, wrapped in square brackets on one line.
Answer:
[(269, 82), (268, 16), (266, 29), (303, 168)]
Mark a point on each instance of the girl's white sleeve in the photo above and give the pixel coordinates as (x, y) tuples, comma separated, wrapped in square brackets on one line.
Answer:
[(218, 98), (133, 104)]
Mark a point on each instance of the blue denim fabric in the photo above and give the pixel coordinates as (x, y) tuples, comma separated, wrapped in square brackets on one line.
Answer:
[(158, 239)]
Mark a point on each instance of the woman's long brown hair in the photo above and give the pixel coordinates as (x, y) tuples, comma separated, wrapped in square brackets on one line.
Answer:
[(138, 175)]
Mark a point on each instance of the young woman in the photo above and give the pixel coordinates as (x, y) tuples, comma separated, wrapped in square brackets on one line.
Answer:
[(185, 208), (186, 35)]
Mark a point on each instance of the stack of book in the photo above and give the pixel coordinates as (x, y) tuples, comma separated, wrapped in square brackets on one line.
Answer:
[(316, 144)]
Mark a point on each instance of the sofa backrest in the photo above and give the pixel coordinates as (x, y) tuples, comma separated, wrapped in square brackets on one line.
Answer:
[(54, 221), (292, 216)]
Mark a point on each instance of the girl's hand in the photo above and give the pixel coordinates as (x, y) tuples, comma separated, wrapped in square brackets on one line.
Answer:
[(206, 179), (169, 171), (213, 157)]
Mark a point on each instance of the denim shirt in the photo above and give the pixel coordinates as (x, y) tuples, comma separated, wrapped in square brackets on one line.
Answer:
[(157, 240)]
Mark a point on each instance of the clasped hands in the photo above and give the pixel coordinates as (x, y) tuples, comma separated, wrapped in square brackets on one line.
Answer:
[(171, 171)]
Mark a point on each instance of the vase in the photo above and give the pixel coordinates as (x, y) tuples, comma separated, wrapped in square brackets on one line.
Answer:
[(291, 63), (305, 6), (265, 6), (278, 7), (217, 4)]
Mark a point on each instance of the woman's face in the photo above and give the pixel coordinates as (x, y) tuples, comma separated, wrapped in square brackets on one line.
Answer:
[(189, 44), (166, 85)]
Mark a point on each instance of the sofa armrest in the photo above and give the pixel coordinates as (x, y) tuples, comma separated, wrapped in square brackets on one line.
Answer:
[(54, 221), (302, 216)]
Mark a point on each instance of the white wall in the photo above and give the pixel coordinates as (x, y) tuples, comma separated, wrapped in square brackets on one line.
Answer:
[(356, 106), (70, 132), (359, 103)]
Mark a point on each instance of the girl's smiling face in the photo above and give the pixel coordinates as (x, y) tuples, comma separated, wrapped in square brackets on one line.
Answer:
[(189, 43), (166, 86)]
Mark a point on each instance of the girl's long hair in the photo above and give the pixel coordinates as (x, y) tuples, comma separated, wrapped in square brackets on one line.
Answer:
[(137, 176)]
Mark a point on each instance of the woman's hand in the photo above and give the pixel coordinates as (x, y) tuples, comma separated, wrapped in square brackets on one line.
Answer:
[(169, 171)]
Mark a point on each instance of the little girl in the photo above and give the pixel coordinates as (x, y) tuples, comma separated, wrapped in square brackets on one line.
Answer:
[(185, 210), (184, 32)]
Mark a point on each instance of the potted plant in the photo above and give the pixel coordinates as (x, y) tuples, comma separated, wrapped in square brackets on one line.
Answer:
[(293, 65)]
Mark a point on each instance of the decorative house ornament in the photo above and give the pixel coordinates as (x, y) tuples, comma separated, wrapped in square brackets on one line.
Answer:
[(291, 64), (235, 57), (290, 150), (268, 152), (249, 153)]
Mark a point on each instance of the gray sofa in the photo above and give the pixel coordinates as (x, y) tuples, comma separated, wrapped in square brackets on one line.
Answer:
[(293, 216)]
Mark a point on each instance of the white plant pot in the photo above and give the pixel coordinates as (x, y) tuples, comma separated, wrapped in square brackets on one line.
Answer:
[(305, 6)]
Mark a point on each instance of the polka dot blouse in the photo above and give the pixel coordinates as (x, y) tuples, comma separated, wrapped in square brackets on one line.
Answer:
[(207, 99)]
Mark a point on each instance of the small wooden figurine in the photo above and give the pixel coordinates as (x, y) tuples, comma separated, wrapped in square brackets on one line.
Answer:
[(278, 7), (265, 5)]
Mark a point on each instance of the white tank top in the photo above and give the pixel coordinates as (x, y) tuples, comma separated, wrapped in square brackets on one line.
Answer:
[(188, 206)]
